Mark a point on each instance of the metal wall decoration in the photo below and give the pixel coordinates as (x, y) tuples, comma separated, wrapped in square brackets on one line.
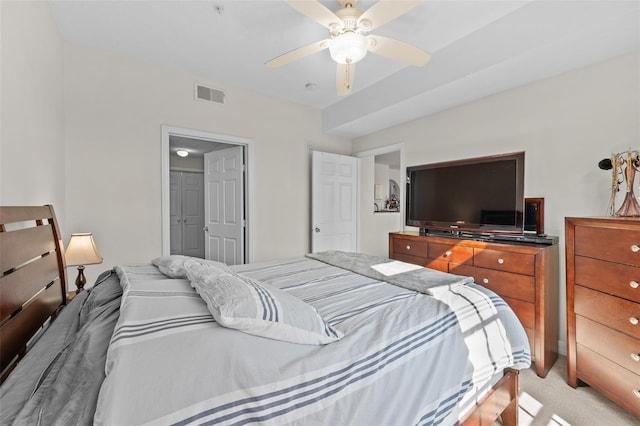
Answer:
[(623, 168)]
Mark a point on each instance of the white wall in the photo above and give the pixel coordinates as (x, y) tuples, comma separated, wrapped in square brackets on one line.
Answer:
[(382, 178), (114, 110), (374, 228), (190, 162), (32, 162), (565, 124)]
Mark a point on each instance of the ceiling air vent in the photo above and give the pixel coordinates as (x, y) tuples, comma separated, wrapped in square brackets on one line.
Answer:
[(204, 93)]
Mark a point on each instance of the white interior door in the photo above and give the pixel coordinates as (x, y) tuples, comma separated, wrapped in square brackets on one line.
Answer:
[(175, 212), (193, 214), (334, 213), (224, 205), (186, 213)]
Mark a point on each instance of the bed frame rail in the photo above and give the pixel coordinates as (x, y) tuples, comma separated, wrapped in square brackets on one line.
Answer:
[(501, 402), (32, 278)]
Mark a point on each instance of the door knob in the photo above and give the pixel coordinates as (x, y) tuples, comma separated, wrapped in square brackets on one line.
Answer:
[(205, 229), (317, 229)]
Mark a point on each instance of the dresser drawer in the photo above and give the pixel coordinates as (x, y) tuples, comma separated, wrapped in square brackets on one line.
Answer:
[(617, 382), (616, 245), (410, 259), (521, 287), (438, 265), (410, 247), (619, 348), (451, 253), (608, 277), (519, 263), (614, 312)]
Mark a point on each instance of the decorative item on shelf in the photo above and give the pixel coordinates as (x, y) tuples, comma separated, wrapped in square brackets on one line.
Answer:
[(393, 203), (623, 164), (82, 251)]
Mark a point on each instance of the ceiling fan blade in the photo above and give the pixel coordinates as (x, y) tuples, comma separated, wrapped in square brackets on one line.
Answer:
[(387, 10), (298, 53), (316, 11), (397, 50), (344, 78)]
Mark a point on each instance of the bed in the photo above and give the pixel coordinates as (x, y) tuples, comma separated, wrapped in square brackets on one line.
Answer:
[(330, 338)]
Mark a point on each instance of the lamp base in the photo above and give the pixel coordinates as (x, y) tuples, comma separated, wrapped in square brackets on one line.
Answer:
[(80, 280), (629, 207)]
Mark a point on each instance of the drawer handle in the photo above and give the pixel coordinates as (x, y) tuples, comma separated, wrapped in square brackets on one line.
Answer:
[(635, 248), (408, 247), (501, 261), (636, 393), (634, 284), (447, 253), (635, 357), (633, 320), (485, 280)]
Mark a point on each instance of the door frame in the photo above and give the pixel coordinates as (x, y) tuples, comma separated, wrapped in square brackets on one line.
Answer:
[(168, 131), (398, 147)]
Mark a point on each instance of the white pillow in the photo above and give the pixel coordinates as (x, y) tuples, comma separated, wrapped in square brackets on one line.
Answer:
[(258, 308), (173, 266)]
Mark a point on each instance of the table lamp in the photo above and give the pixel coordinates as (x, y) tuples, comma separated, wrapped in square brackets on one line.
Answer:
[(82, 251)]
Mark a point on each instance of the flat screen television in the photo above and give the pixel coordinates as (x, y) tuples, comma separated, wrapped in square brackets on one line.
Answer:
[(477, 195)]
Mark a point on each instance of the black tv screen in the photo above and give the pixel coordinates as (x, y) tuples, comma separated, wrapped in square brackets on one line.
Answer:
[(484, 195)]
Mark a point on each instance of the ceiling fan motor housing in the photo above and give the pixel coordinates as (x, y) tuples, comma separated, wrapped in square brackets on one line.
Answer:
[(349, 17)]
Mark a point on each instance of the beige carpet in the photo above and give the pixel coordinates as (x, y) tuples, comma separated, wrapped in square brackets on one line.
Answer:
[(551, 402)]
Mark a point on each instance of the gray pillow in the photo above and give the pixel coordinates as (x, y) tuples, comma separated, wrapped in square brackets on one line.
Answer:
[(258, 308), (173, 266)]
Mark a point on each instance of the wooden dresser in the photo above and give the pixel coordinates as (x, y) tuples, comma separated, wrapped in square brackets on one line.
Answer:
[(524, 275), (603, 307)]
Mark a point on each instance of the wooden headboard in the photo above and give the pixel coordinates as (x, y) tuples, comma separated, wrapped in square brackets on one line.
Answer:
[(32, 278)]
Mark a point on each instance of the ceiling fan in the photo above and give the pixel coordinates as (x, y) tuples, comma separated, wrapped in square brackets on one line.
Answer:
[(348, 41)]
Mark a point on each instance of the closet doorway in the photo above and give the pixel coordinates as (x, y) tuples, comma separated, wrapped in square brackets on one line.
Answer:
[(186, 212), (193, 198)]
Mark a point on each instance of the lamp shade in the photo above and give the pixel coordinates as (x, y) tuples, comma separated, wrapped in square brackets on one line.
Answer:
[(348, 48), (82, 250)]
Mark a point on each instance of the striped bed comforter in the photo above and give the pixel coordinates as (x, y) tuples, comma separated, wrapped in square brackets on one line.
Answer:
[(406, 358)]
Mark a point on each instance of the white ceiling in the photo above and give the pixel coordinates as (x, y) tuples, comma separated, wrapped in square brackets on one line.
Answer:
[(195, 147), (479, 48)]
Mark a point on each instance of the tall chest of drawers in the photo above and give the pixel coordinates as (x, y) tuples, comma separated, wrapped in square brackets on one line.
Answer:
[(524, 275), (603, 307)]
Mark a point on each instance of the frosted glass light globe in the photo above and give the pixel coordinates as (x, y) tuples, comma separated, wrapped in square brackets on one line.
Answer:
[(348, 48)]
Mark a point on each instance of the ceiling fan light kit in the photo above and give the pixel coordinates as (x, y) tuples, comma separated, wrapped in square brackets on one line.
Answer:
[(348, 48), (348, 42)]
